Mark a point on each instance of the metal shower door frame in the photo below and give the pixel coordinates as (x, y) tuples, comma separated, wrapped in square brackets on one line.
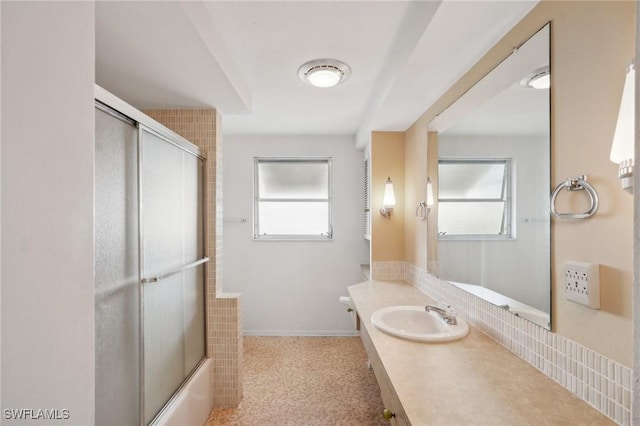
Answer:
[(112, 105)]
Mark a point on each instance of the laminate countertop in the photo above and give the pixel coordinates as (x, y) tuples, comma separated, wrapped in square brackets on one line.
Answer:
[(473, 381)]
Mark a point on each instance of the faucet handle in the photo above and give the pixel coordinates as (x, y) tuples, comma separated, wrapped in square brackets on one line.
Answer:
[(447, 309), (450, 315), (451, 312)]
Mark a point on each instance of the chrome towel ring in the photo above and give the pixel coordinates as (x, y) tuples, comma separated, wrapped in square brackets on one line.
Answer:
[(422, 210), (577, 183)]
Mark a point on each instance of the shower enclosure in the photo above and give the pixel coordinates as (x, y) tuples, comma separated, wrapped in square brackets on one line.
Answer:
[(150, 275)]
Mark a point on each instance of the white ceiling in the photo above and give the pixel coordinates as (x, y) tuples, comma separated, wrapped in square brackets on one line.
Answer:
[(242, 57), (515, 111), (498, 104)]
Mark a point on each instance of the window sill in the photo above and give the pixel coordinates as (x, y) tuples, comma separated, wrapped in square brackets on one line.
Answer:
[(477, 238), (292, 239)]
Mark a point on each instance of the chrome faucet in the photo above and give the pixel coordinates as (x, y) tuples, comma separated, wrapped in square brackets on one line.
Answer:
[(447, 315)]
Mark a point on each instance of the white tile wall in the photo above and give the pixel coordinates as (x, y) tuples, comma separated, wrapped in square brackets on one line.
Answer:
[(600, 381)]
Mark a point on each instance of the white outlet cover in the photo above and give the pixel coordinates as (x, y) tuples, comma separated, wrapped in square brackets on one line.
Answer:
[(582, 283)]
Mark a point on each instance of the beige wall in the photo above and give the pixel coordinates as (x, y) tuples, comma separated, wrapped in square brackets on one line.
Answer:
[(387, 160), (432, 225), (591, 43), (415, 192)]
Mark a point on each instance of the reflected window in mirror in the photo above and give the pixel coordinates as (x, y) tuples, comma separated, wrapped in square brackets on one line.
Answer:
[(474, 199), (508, 260)]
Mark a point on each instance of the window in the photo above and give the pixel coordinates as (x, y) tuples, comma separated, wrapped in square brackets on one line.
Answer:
[(474, 198), (367, 201), (292, 199)]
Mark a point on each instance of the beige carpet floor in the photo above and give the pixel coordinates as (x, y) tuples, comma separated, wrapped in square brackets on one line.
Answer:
[(304, 381)]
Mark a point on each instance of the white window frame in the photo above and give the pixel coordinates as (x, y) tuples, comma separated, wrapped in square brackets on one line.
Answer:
[(256, 200), (367, 199), (507, 198)]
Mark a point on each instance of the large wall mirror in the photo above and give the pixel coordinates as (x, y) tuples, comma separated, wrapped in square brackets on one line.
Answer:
[(493, 185)]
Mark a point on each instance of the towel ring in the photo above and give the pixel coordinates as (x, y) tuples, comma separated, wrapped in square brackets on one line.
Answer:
[(577, 183), (422, 210)]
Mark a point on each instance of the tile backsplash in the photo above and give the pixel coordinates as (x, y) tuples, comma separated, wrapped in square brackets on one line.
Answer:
[(600, 381)]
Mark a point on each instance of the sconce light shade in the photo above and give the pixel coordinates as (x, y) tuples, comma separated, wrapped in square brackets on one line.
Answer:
[(389, 199), (623, 138), (429, 194)]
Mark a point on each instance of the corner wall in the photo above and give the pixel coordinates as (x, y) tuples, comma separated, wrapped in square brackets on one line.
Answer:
[(388, 161), (292, 287), (48, 348)]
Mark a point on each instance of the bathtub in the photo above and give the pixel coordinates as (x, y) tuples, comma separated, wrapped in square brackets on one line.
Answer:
[(193, 403)]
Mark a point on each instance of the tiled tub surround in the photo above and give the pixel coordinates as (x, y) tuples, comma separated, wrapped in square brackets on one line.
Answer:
[(598, 380), (471, 381)]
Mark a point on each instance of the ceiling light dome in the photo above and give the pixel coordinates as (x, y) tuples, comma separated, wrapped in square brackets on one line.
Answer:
[(324, 72), (539, 79)]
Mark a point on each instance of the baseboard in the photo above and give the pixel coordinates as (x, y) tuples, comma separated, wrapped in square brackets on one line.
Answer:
[(302, 333)]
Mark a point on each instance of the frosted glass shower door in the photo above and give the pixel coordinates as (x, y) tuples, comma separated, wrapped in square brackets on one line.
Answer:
[(116, 272), (172, 237)]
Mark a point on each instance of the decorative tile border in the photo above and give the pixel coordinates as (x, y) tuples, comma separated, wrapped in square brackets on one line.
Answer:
[(598, 380)]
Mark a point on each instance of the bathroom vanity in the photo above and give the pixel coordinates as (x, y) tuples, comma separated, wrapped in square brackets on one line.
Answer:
[(470, 381)]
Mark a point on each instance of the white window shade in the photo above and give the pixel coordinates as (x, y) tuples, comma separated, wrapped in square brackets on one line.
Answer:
[(464, 180), (293, 179)]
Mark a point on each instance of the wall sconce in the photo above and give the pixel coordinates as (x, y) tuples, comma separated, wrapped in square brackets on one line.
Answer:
[(389, 200), (423, 209), (429, 195), (623, 138)]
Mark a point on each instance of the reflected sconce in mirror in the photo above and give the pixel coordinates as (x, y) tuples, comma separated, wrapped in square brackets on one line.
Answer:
[(389, 200), (623, 138), (423, 209)]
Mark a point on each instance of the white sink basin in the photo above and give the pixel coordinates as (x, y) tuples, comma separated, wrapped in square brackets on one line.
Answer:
[(415, 323)]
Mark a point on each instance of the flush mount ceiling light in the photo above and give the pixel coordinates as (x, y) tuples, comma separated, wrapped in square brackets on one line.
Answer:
[(324, 72), (539, 79)]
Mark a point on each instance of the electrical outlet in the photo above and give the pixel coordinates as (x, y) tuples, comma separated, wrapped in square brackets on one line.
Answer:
[(582, 283)]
